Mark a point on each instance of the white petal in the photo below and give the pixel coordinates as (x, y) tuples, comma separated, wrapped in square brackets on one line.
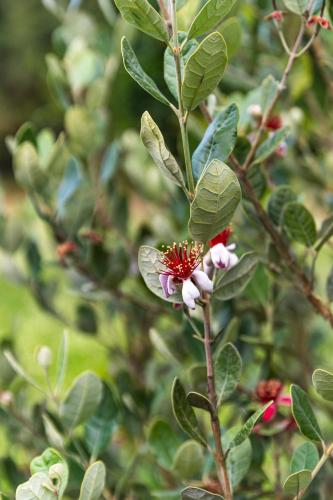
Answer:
[(231, 247), (233, 259), (220, 256), (164, 283), (190, 293), (203, 282), (171, 285), (207, 263)]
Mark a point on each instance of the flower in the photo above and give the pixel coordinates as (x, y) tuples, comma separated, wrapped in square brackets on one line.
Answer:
[(181, 263), (270, 390), (221, 255), (318, 20), (65, 249), (274, 122), (276, 15)]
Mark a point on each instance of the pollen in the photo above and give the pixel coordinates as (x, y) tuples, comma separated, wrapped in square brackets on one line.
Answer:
[(181, 259)]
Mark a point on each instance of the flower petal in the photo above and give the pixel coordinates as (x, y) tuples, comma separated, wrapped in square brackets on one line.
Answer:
[(284, 400), (220, 256), (233, 260), (270, 413), (164, 283), (204, 283), (190, 293)]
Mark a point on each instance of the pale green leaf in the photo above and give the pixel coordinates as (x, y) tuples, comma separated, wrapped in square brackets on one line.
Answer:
[(134, 69), (247, 428), (216, 198), (163, 442), (144, 17), (323, 383), (93, 482), (189, 460), (231, 283), (198, 400), (296, 6), (239, 461), (306, 456), (152, 138), (150, 266), (193, 493), (296, 482), (210, 16), (82, 400), (204, 70), (270, 145), (228, 369), (219, 140), (232, 33), (62, 360)]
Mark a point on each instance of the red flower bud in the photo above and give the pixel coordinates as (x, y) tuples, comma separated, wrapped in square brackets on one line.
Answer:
[(66, 248), (276, 15)]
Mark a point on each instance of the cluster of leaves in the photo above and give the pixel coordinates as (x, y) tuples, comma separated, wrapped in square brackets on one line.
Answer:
[(103, 202)]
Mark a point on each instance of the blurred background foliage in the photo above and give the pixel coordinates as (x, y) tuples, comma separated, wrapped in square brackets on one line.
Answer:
[(62, 73)]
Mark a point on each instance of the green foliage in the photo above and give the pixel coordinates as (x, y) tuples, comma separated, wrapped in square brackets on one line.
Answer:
[(299, 223), (209, 17), (193, 493), (323, 383), (303, 414), (306, 456), (93, 482), (231, 283), (296, 482), (228, 368)]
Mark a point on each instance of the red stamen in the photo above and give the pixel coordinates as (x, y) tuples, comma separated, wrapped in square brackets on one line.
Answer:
[(181, 260), (221, 238)]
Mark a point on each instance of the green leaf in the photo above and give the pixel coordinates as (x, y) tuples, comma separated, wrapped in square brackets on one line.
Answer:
[(219, 140), (277, 202), (184, 413), (270, 145), (20, 370), (239, 461), (329, 286), (228, 369), (297, 482), (268, 91), (204, 70), (163, 442), (189, 460), (99, 428), (296, 6), (50, 462), (217, 196), (325, 232), (231, 283), (134, 69), (210, 16), (257, 179), (152, 138), (170, 73), (150, 266), (62, 361), (192, 493), (232, 33), (82, 400), (93, 482), (144, 17), (53, 435), (299, 223), (200, 401), (39, 486), (247, 428), (323, 383), (306, 456), (303, 414)]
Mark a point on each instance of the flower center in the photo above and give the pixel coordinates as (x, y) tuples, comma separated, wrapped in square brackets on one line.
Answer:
[(181, 259)]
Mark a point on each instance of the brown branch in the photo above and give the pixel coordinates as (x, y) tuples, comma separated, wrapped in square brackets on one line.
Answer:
[(215, 423)]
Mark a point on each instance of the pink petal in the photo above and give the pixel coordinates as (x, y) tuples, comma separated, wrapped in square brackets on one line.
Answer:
[(202, 281), (284, 400), (270, 413)]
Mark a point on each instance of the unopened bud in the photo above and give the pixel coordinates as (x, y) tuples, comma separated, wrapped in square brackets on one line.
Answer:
[(255, 110), (6, 398), (44, 357)]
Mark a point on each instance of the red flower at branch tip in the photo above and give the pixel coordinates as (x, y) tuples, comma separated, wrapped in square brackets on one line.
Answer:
[(181, 261), (66, 248), (221, 254), (276, 15), (274, 122), (270, 390), (321, 21)]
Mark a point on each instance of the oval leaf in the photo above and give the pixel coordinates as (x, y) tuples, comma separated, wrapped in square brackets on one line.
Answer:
[(210, 16), (216, 198), (297, 482), (303, 414), (93, 482), (200, 401), (204, 70), (277, 202), (188, 461), (152, 138), (233, 282), (228, 369), (184, 413), (150, 266), (306, 456), (82, 400), (299, 223), (170, 73), (239, 461), (163, 442), (268, 147), (219, 140), (323, 382), (134, 69), (192, 493), (144, 17), (296, 6)]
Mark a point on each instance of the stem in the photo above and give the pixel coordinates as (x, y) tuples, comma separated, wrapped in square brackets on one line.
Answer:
[(182, 116), (326, 456), (215, 424)]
